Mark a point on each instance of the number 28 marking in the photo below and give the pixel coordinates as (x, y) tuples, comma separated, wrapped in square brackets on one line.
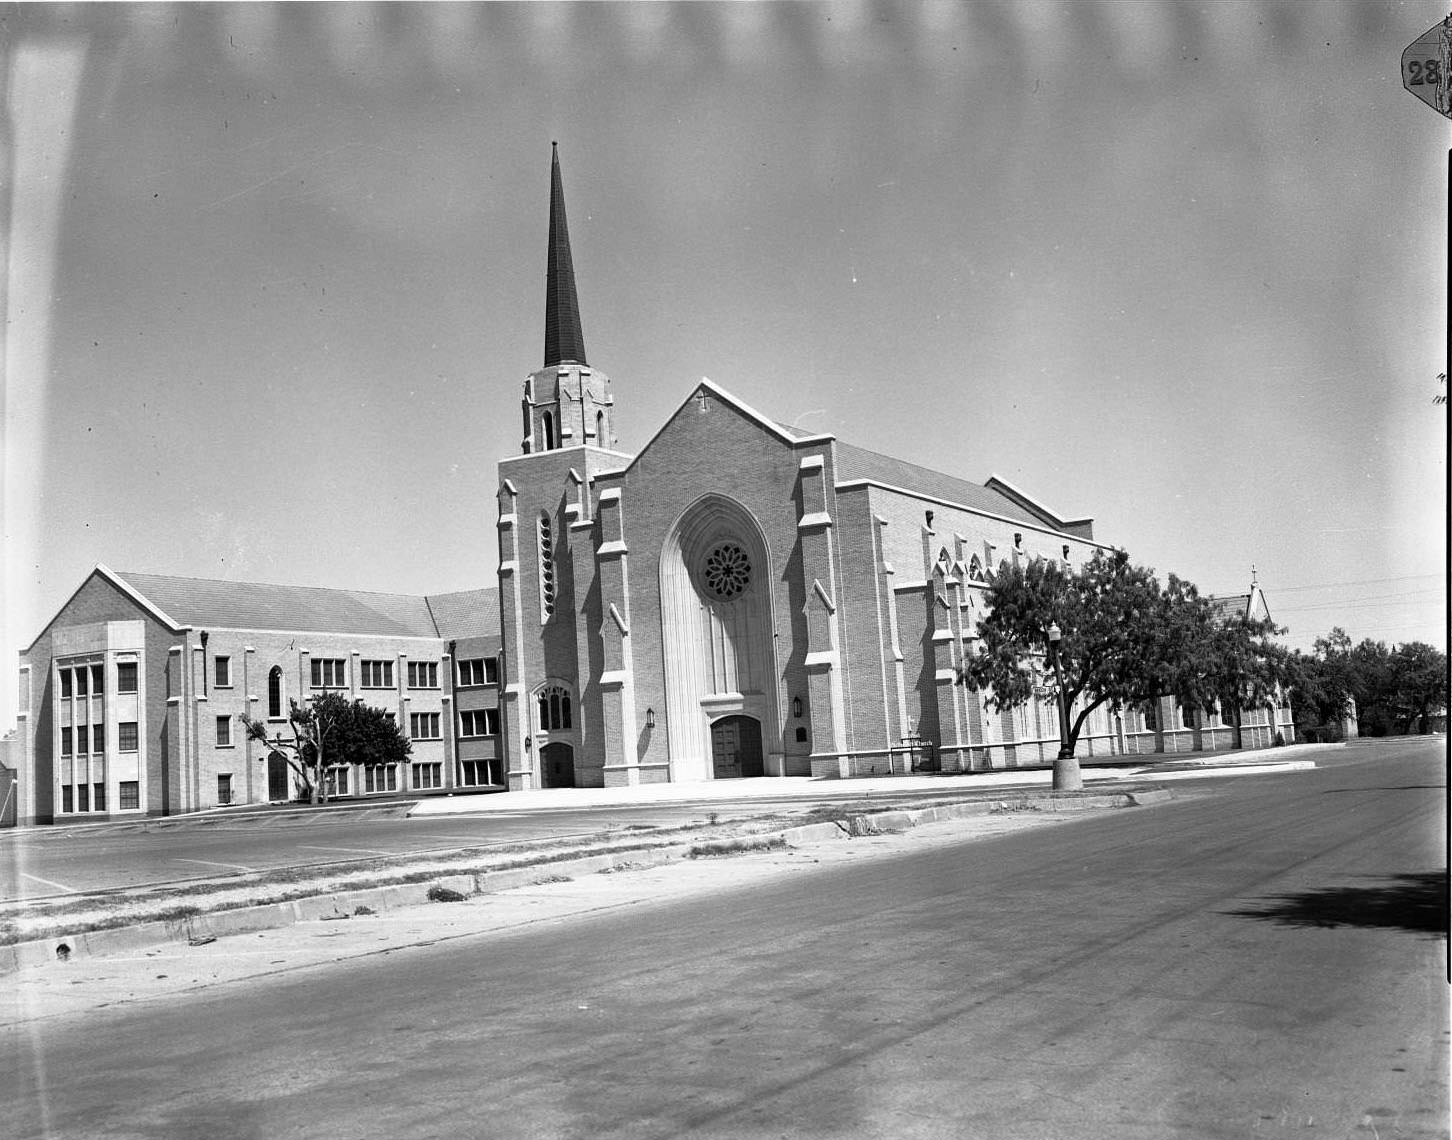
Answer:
[(1424, 71)]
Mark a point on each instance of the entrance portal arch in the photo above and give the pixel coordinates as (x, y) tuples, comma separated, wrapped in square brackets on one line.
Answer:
[(716, 581)]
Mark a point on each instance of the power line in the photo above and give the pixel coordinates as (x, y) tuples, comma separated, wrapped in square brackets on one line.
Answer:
[(1409, 598), (1361, 582)]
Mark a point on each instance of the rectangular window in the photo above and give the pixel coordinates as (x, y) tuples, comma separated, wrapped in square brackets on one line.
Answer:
[(330, 673), (428, 775), (224, 732), (98, 738), (83, 797), (473, 773), (478, 671), (479, 722), (126, 736), (376, 674), (128, 795), (337, 781), (380, 778), (423, 674), (222, 672), (224, 789), (65, 676), (423, 726), (81, 674), (66, 799), (98, 798), (126, 676), (98, 680), (66, 747)]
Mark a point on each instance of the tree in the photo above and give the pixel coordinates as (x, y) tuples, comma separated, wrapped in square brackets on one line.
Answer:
[(1393, 690), (1421, 683), (331, 731), (1110, 646), (1125, 640)]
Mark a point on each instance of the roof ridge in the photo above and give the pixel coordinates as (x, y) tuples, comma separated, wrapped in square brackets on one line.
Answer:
[(275, 585)]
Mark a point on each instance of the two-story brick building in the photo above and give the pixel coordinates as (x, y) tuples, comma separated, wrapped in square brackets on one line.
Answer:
[(130, 697)]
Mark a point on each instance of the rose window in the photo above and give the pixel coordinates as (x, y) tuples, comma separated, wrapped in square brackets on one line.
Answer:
[(727, 571)]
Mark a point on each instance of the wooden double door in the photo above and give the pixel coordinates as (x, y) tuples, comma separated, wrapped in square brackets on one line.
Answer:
[(736, 751)]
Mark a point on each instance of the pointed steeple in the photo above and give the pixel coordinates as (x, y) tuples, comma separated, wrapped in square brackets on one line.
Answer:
[(564, 339)]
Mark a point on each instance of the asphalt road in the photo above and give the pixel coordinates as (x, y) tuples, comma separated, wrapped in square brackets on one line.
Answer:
[(1269, 960), (42, 862), (49, 861)]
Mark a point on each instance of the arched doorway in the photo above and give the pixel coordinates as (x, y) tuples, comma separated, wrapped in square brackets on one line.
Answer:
[(278, 784), (736, 748), (557, 766)]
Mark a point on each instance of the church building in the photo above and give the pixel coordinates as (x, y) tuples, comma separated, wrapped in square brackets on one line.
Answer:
[(741, 598)]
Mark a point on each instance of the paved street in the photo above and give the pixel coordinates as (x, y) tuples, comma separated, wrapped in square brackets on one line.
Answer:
[(43, 862), (48, 861), (1265, 960)]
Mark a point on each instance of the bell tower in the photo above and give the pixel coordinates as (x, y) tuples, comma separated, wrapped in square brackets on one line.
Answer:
[(567, 403)]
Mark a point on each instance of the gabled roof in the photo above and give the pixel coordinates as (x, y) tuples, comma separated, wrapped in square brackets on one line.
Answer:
[(1251, 605), (467, 613), (857, 463), (203, 602), (1229, 606)]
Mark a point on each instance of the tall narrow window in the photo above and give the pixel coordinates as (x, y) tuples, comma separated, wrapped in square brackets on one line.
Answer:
[(546, 567), (554, 709), (600, 440), (222, 671), (274, 691), (547, 424)]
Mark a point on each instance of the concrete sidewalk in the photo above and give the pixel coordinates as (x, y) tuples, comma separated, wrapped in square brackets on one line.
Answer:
[(1291, 757)]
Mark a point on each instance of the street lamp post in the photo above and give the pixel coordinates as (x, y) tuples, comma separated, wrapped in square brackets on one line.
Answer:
[(1067, 777)]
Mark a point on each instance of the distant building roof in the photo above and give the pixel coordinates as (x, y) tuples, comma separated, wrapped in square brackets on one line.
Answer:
[(1251, 605), (1230, 606), (858, 463), (467, 613), (202, 602)]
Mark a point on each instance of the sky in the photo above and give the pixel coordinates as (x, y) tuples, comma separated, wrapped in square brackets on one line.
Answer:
[(274, 275)]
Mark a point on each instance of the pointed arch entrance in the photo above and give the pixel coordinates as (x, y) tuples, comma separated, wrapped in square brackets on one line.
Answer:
[(716, 580)]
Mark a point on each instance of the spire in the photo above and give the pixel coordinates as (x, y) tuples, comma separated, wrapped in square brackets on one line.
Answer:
[(564, 339)]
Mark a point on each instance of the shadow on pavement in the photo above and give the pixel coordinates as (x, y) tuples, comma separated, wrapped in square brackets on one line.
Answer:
[(1416, 903)]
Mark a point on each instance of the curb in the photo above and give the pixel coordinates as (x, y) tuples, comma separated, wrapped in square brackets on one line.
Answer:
[(269, 916)]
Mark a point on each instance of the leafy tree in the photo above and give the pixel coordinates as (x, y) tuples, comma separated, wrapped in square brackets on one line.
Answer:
[(1125, 640), (1392, 690), (328, 731), (1421, 683)]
